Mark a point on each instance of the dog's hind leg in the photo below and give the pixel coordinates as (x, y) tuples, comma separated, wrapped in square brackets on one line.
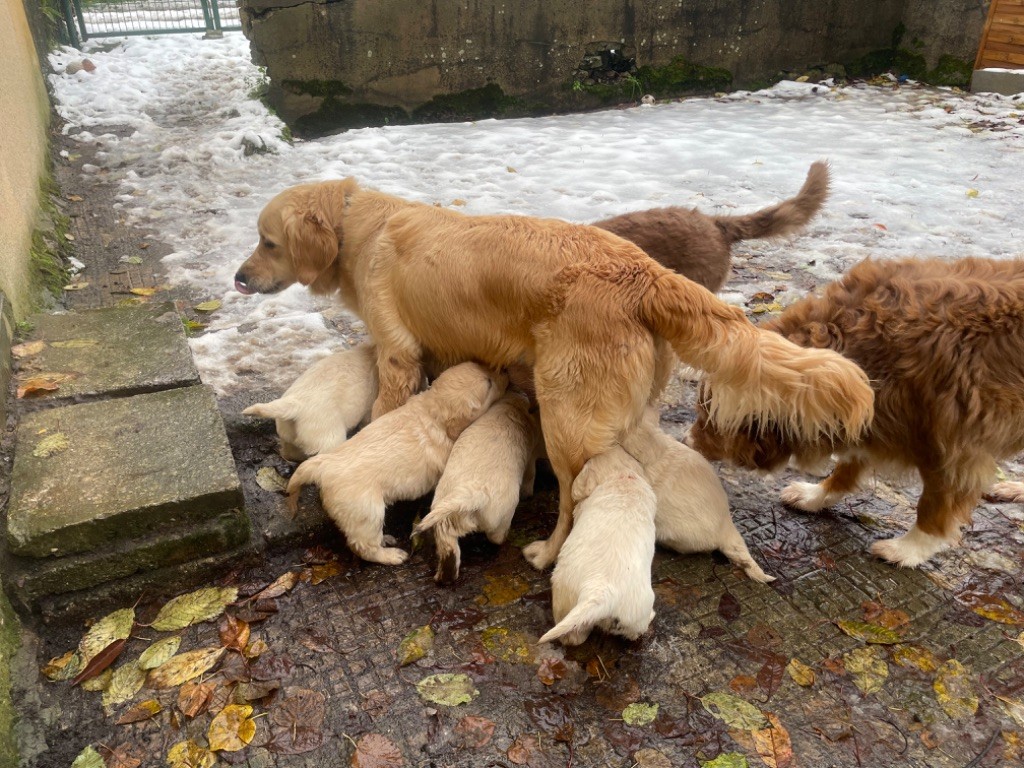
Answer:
[(814, 497), (362, 521), (1008, 491)]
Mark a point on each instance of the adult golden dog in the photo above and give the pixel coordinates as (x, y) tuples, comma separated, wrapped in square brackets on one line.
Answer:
[(943, 343), (594, 316)]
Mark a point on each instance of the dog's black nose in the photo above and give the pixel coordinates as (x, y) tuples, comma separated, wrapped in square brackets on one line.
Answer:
[(241, 284)]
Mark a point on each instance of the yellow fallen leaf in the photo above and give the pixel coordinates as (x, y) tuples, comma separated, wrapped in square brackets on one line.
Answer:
[(415, 645), (159, 652), (76, 286), (63, 667), (50, 445), (915, 656), (188, 754), (184, 667), (98, 683), (126, 681), (208, 306), (195, 607), (142, 711), (867, 667), (954, 690), (972, 193), (802, 674), (502, 589), (510, 169), (232, 729), (144, 291), (111, 628), (74, 343), (508, 645)]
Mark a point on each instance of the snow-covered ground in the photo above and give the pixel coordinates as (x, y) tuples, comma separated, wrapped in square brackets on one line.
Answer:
[(915, 171)]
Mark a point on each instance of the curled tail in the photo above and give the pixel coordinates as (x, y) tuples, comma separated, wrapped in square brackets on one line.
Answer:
[(449, 520), (784, 218), (306, 473), (756, 374), (578, 623)]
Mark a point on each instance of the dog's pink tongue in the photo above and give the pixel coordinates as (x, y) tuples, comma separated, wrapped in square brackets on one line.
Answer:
[(243, 288)]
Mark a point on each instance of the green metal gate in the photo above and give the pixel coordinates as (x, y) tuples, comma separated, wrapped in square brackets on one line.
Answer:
[(87, 19)]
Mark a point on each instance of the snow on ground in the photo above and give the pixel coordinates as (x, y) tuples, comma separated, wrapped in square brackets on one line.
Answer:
[(916, 171)]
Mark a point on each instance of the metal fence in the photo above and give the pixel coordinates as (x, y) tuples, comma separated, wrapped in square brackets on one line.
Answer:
[(85, 19)]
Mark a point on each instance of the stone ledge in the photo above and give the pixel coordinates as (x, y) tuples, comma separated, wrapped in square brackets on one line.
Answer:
[(118, 469)]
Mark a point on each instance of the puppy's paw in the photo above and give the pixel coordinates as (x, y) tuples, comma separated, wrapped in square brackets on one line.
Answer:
[(809, 497), (538, 554), (384, 555), (1012, 493), (911, 549)]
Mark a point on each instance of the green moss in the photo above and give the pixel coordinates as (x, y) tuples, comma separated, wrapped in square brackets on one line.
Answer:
[(472, 104), (321, 88), (682, 76), (9, 642), (951, 71), (48, 273), (335, 115)]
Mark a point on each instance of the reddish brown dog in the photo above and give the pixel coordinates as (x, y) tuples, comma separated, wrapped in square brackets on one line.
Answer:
[(943, 345)]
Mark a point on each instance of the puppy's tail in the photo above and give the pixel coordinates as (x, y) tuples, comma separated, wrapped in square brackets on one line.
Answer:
[(282, 408), (578, 622), (306, 473), (736, 550), (784, 218), (449, 520), (754, 373)]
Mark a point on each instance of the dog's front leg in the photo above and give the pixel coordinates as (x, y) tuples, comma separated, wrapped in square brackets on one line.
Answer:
[(401, 373)]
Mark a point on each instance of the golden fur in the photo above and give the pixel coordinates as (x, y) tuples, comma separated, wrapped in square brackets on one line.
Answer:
[(595, 317), (943, 345), (698, 246)]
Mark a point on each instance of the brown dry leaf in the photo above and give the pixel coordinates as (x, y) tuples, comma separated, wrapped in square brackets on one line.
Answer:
[(188, 754), (75, 198), (144, 710), (802, 674), (773, 744), (41, 382), (296, 722), (458, 202), (28, 349), (194, 698), (320, 573), (475, 732), (284, 583), (121, 756), (376, 751), (523, 750), (184, 667), (234, 633), (550, 670), (651, 758), (232, 729), (993, 608), (743, 683), (195, 607), (101, 661)]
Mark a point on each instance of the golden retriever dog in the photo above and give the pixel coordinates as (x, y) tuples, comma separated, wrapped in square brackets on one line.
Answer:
[(399, 456), (693, 509), (324, 404), (699, 246), (593, 315), (603, 575), (491, 466), (943, 345)]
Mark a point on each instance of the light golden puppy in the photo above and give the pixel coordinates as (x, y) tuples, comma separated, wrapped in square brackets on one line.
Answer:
[(603, 575), (595, 317), (399, 456), (492, 464), (693, 509), (330, 399)]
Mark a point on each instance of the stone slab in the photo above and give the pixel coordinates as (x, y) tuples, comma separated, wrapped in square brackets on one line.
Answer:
[(119, 470), (1004, 81), (30, 579), (115, 351)]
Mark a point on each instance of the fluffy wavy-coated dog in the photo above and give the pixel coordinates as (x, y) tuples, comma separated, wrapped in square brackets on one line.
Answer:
[(492, 464), (943, 345), (603, 575), (693, 509), (324, 404), (593, 315), (699, 245), (399, 456)]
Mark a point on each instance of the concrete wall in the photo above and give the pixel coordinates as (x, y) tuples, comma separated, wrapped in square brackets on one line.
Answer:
[(396, 55), (23, 151)]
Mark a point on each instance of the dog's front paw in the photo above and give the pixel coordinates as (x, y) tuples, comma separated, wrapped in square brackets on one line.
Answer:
[(538, 554), (909, 550), (809, 497), (384, 555), (1009, 492)]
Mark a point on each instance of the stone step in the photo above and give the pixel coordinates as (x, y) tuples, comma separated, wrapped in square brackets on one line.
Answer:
[(95, 475), (112, 352)]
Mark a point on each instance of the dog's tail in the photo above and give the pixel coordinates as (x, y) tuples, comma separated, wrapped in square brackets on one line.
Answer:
[(282, 408), (578, 622), (736, 550), (754, 374), (306, 473), (784, 218), (448, 520)]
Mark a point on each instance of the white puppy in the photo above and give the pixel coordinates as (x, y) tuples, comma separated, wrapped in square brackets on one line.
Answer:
[(330, 399), (492, 464), (693, 510), (603, 574), (400, 455)]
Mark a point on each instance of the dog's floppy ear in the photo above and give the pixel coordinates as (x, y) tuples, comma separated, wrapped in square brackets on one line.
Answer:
[(312, 243)]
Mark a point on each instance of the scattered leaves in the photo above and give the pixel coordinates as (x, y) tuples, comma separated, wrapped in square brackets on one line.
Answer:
[(42, 382), (159, 652), (726, 760), (867, 667), (114, 626), (475, 732), (915, 656), (126, 681), (208, 306), (28, 349), (376, 751), (184, 667), (551, 669), (869, 633), (801, 674), (88, 758), (640, 714), (954, 690), (194, 698), (269, 479), (63, 667), (447, 689), (234, 633), (144, 291), (232, 729), (773, 744), (142, 711), (100, 662), (188, 754), (282, 584), (734, 711), (202, 605), (296, 722), (993, 608), (415, 645)]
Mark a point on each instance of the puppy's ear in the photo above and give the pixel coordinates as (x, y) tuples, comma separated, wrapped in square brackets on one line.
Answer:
[(312, 243)]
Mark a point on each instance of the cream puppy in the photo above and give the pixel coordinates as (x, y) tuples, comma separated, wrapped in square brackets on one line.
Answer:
[(493, 462), (330, 399), (400, 455), (603, 574), (693, 510)]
